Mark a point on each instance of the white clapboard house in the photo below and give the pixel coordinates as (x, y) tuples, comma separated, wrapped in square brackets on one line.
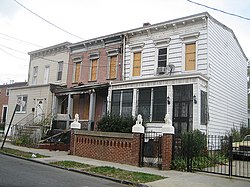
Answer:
[(192, 68)]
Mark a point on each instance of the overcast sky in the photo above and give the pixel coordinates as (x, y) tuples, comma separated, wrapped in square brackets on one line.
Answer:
[(22, 32)]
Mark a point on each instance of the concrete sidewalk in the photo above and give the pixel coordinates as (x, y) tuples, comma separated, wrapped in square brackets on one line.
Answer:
[(174, 178)]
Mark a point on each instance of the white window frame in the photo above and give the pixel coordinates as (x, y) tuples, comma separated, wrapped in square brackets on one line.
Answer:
[(46, 74), (35, 75), (20, 100)]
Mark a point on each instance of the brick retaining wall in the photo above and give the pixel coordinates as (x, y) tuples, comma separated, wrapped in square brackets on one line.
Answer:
[(114, 147)]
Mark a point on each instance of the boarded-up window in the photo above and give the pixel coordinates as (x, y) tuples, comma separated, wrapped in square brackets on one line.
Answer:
[(190, 57), (86, 107), (77, 71), (137, 64), (93, 69), (112, 67), (76, 102)]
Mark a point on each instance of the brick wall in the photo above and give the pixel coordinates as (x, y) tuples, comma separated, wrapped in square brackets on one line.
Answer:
[(166, 151), (114, 147)]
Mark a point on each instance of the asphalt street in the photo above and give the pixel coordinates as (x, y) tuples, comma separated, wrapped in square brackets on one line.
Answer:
[(16, 172)]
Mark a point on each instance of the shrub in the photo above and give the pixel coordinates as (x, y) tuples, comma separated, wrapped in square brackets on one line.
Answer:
[(111, 123)]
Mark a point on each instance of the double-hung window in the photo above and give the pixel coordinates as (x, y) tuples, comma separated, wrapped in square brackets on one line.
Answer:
[(162, 57), (35, 74), (59, 70), (22, 104), (46, 74)]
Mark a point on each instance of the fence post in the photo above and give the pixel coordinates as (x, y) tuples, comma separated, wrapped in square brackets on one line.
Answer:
[(139, 129), (230, 156)]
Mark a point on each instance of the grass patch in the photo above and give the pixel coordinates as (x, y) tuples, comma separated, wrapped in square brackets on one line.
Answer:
[(136, 177), (21, 153), (70, 164)]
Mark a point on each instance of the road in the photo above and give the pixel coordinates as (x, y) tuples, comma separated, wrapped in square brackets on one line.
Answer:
[(16, 172)]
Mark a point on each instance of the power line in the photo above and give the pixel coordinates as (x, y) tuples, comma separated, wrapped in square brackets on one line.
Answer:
[(13, 49), (13, 55), (20, 40), (48, 21), (231, 14)]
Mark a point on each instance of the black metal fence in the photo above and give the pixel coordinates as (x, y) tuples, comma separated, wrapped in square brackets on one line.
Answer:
[(151, 150), (212, 154)]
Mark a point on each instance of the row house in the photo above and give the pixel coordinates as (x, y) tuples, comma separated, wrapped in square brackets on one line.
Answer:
[(4, 97), (48, 69), (192, 68), (93, 64)]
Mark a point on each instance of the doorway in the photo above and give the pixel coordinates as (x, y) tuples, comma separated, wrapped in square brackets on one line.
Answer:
[(183, 108)]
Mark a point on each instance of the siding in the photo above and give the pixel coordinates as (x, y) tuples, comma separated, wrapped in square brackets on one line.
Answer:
[(175, 50), (38, 92), (228, 80), (52, 62)]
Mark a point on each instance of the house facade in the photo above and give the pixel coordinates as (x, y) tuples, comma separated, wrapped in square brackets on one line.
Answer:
[(47, 69), (4, 97), (93, 64), (192, 68)]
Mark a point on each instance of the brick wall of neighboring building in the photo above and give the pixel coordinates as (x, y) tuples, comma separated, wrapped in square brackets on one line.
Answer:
[(114, 147)]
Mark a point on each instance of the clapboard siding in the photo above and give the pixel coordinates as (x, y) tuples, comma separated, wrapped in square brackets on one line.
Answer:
[(227, 84)]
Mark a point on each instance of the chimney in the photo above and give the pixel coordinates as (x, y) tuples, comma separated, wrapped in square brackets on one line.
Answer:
[(146, 24)]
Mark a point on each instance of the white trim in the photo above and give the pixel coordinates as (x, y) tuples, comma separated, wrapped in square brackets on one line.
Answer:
[(190, 36)]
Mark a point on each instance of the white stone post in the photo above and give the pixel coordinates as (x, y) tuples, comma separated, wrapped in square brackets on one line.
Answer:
[(167, 128), (75, 124), (138, 128)]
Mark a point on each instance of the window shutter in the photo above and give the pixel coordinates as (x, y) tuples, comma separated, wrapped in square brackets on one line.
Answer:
[(190, 57), (137, 64)]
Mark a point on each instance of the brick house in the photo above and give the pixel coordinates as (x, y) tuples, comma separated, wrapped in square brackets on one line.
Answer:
[(93, 65)]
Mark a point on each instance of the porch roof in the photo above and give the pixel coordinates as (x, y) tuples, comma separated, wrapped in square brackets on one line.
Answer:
[(81, 89)]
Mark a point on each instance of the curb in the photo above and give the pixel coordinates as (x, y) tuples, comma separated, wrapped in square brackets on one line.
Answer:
[(78, 171)]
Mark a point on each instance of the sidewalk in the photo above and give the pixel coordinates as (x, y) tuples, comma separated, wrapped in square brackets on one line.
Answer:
[(174, 178)]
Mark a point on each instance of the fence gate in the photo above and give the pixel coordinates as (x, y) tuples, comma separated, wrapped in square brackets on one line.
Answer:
[(212, 154), (151, 150)]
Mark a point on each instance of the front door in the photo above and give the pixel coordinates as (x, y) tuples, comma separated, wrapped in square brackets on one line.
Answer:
[(183, 108), (39, 110), (4, 113)]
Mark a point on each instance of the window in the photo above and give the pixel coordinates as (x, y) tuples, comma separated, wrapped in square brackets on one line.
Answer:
[(162, 57), (46, 75), (112, 67), (137, 64), (7, 92), (22, 104), (122, 102), (35, 73), (59, 70), (77, 67), (190, 56), (93, 70), (204, 109), (152, 103)]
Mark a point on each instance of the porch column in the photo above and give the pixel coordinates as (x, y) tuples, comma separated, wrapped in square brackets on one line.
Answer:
[(109, 97), (70, 107), (91, 109), (134, 104), (54, 105), (171, 100)]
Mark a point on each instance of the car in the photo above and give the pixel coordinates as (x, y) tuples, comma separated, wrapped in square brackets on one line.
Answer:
[(242, 149)]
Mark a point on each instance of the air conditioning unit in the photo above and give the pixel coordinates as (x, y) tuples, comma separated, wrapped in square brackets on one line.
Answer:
[(161, 70)]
